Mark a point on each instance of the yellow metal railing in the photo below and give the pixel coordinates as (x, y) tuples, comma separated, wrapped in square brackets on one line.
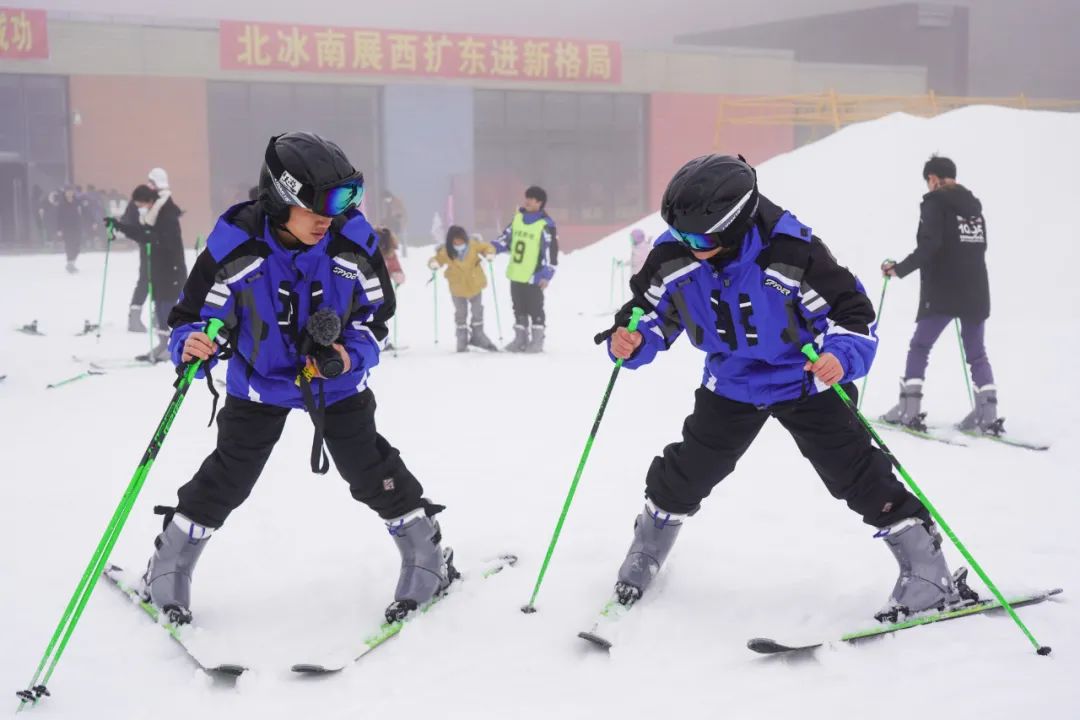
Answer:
[(834, 110)]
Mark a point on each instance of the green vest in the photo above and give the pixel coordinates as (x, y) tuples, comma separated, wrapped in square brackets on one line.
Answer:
[(526, 242)]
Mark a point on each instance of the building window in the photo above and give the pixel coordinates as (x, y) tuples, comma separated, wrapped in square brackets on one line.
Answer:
[(586, 149)]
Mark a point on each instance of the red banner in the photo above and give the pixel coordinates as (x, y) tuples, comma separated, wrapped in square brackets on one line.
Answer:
[(23, 34), (308, 48)]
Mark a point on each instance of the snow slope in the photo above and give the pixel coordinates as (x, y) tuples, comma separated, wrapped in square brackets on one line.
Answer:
[(301, 570)]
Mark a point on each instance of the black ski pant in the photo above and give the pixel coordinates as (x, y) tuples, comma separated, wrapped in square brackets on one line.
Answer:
[(528, 301), (247, 432), (138, 296), (719, 431)]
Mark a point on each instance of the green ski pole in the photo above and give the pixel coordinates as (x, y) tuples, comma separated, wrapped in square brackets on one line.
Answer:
[(635, 317), (611, 286), (964, 362), (435, 296), (70, 618), (495, 295), (151, 304), (110, 235), (394, 341), (880, 310), (809, 351)]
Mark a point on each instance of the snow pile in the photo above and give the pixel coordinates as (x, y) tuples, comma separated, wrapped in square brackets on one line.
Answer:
[(301, 572)]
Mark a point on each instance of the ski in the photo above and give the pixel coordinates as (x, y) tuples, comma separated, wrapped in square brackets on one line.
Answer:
[(768, 646), (387, 631), (928, 434), (115, 575), (92, 372), (88, 328), (1007, 440), (31, 329), (111, 364), (603, 633)]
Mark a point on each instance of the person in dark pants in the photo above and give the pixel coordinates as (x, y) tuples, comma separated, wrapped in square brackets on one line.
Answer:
[(159, 230), (130, 219), (951, 256), (69, 226), (750, 285), (299, 283), (533, 245)]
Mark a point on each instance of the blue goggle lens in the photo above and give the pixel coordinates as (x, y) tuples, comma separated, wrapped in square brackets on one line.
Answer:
[(337, 200), (696, 241)]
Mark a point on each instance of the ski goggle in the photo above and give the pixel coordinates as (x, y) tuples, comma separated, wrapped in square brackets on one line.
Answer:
[(336, 199), (696, 241)]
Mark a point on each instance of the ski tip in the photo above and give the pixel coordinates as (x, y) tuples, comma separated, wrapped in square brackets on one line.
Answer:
[(312, 669), (596, 640), (227, 669)]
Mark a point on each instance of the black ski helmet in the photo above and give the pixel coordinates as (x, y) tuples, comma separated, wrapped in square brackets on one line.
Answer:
[(713, 195), (303, 169)]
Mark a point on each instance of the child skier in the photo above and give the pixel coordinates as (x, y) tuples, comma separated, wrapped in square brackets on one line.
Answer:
[(750, 285), (534, 252), (640, 247), (462, 258), (282, 273)]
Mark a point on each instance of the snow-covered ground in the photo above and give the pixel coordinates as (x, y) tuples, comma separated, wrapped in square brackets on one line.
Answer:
[(301, 570)]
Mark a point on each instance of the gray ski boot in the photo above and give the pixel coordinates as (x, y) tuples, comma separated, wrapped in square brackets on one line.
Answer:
[(462, 338), (160, 353), (167, 581), (480, 339), (984, 417), (655, 531), (536, 344), (426, 570), (135, 320), (520, 341), (924, 582), (908, 412)]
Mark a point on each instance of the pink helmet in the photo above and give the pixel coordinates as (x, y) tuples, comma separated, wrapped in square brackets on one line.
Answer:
[(637, 236)]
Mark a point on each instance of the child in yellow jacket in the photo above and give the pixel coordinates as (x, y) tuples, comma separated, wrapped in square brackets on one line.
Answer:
[(462, 257)]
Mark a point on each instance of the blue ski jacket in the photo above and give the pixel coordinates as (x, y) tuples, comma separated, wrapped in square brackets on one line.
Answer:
[(264, 294), (752, 313)]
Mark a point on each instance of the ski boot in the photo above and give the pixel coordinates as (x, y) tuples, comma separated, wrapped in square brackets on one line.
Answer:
[(984, 417), (160, 353), (536, 344), (462, 338), (520, 341), (426, 570), (135, 324), (925, 582), (480, 339), (71, 268), (655, 531), (907, 412), (167, 581)]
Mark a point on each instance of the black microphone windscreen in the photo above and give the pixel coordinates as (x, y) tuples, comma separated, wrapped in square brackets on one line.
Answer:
[(324, 326)]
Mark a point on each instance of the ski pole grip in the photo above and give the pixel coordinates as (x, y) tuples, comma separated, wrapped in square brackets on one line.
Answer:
[(809, 351), (635, 317), (213, 328)]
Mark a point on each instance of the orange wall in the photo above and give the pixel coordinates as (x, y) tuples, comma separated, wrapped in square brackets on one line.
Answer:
[(683, 126), (127, 125)]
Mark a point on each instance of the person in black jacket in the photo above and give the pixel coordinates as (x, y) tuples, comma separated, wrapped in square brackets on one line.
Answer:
[(951, 254), (159, 230)]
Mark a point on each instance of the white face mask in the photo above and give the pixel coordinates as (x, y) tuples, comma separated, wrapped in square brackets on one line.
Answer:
[(142, 212)]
